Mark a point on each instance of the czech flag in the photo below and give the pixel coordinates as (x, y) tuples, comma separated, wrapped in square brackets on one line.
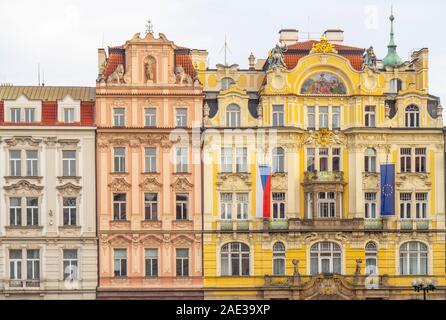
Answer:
[(263, 192)]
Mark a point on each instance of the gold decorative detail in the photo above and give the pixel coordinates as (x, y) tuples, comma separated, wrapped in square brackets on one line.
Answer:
[(323, 46)]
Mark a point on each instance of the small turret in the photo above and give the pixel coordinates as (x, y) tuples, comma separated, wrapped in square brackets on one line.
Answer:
[(392, 58)]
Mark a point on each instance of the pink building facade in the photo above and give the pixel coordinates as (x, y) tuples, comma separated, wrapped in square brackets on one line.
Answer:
[(148, 166)]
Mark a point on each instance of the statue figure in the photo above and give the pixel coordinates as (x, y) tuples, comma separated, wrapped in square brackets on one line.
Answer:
[(182, 77), (358, 267), (260, 111), (275, 58), (149, 70), (117, 75), (206, 111), (369, 59), (296, 268), (387, 111)]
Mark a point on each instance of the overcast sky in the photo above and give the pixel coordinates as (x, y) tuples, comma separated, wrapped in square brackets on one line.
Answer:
[(63, 35)]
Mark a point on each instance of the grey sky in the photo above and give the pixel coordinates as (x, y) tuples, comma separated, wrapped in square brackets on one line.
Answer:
[(64, 35)]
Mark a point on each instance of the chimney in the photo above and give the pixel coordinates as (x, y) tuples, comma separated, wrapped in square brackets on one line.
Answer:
[(335, 36), (288, 36)]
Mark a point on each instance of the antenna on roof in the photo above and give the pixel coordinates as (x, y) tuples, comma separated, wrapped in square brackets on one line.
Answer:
[(226, 48), (309, 28), (38, 74), (43, 77), (103, 35)]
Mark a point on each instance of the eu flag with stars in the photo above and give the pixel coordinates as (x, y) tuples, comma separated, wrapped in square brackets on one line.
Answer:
[(387, 190)]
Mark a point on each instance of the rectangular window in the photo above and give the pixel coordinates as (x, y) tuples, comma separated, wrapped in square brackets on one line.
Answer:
[(370, 116), (15, 115), (241, 160), (278, 205), (405, 160), (182, 206), (120, 262), (68, 115), (420, 159), (323, 159), (119, 117), (15, 163), (336, 117), (181, 158), (181, 117), (119, 159), (370, 205), (15, 265), (150, 159), (311, 160), (69, 163), (31, 163), (182, 262), (32, 266), (242, 206), (30, 115), (323, 117), (69, 211), (336, 159), (70, 265), (327, 204), (278, 116), (226, 206), (311, 116), (405, 205), (15, 211), (150, 117), (226, 159), (119, 206), (32, 211), (151, 206), (151, 257), (421, 205)]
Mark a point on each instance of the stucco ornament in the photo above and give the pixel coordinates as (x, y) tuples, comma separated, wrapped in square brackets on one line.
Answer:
[(323, 46), (149, 66), (117, 76), (275, 58)]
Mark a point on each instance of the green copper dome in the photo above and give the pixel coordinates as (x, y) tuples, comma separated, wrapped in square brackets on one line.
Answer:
[(392, 58)]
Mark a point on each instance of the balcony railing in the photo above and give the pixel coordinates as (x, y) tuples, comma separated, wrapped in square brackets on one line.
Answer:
[(413, 224), (324, 176), (373, 224), (18, 283)]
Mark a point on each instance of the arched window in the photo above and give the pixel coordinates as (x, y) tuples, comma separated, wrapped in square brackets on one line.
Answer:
[(278, 160), (370, 160), (226, 83), (235, 259), (325, 258), (412, 116), (371, 258), (413, 258), (279, 259), (233, 116)]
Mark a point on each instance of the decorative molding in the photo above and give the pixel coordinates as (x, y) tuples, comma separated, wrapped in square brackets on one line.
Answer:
[(69, 189), (150, 183), (182, 184), (23, 141), (119, 184), (233, 181), (23, 186)]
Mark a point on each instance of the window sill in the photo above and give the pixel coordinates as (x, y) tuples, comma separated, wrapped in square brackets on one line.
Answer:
[(65, 178), (24, 177), (117, 173), (37, 228), (182, 173), (70, 227)]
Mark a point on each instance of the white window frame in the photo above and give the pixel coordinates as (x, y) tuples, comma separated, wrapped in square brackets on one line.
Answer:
[(66, 104), (181, 159), (406, 207), (150, 204), (370, 205), (181, 117), (119, 160), (70, 266), (233, 116), (122, 272), (184, 214), (150, 159), (311, 117), (336, 117), (118, 118), (370, 116), (278, 115), (70, 208), (22, 103), (322, 251), (279, 259), (279, 205), (71, 164), (421, 205), (150, 117), (406, 254), (278, 155), (151, 259)]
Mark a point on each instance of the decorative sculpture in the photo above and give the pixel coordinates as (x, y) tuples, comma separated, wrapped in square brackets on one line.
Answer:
[(182, 77), (275, 58), (206, 111), (358, 266), (387, 111), (296, 267), (149, 67), (369, 59), (117, 75), (323, 46)]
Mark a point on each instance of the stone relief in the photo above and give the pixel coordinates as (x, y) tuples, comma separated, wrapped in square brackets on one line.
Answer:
[(182, 77), (150, 183), (409, 181), (22, 141), (182, 184), (22, 187), (233, 181), (279, 181), (69, 189)]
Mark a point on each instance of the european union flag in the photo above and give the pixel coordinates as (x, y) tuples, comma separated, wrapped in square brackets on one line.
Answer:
[(387, 190)]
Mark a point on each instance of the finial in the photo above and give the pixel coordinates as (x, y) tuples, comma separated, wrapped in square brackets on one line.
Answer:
[(392, 58), (149, 27)]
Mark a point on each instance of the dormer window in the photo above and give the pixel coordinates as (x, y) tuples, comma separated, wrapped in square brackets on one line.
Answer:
[(233, 116), (15, 115), (412, 116), (22, 110), (395, 85), (226, 83), (68, 110)]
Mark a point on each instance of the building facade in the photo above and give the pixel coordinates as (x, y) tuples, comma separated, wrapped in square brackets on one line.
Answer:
[(326, 118), (48, 246), (148, 170)]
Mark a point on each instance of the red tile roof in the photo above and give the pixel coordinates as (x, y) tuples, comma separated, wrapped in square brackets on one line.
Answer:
[(115, 58), (184, 59), (302, 49)]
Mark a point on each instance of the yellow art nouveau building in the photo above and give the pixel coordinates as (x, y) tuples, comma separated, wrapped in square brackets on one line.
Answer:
[(325, 117)]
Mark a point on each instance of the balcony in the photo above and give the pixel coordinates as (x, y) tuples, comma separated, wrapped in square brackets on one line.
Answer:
[(278, 224), (373, 224), (415, 224), (311, 177), (229, 225), (22, 284), (327, 224)]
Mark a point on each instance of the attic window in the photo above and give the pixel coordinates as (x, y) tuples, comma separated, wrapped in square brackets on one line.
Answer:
[(395, 85), (226, 83)]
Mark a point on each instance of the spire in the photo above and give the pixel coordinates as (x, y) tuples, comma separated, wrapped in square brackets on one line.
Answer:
[(392, 59)]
